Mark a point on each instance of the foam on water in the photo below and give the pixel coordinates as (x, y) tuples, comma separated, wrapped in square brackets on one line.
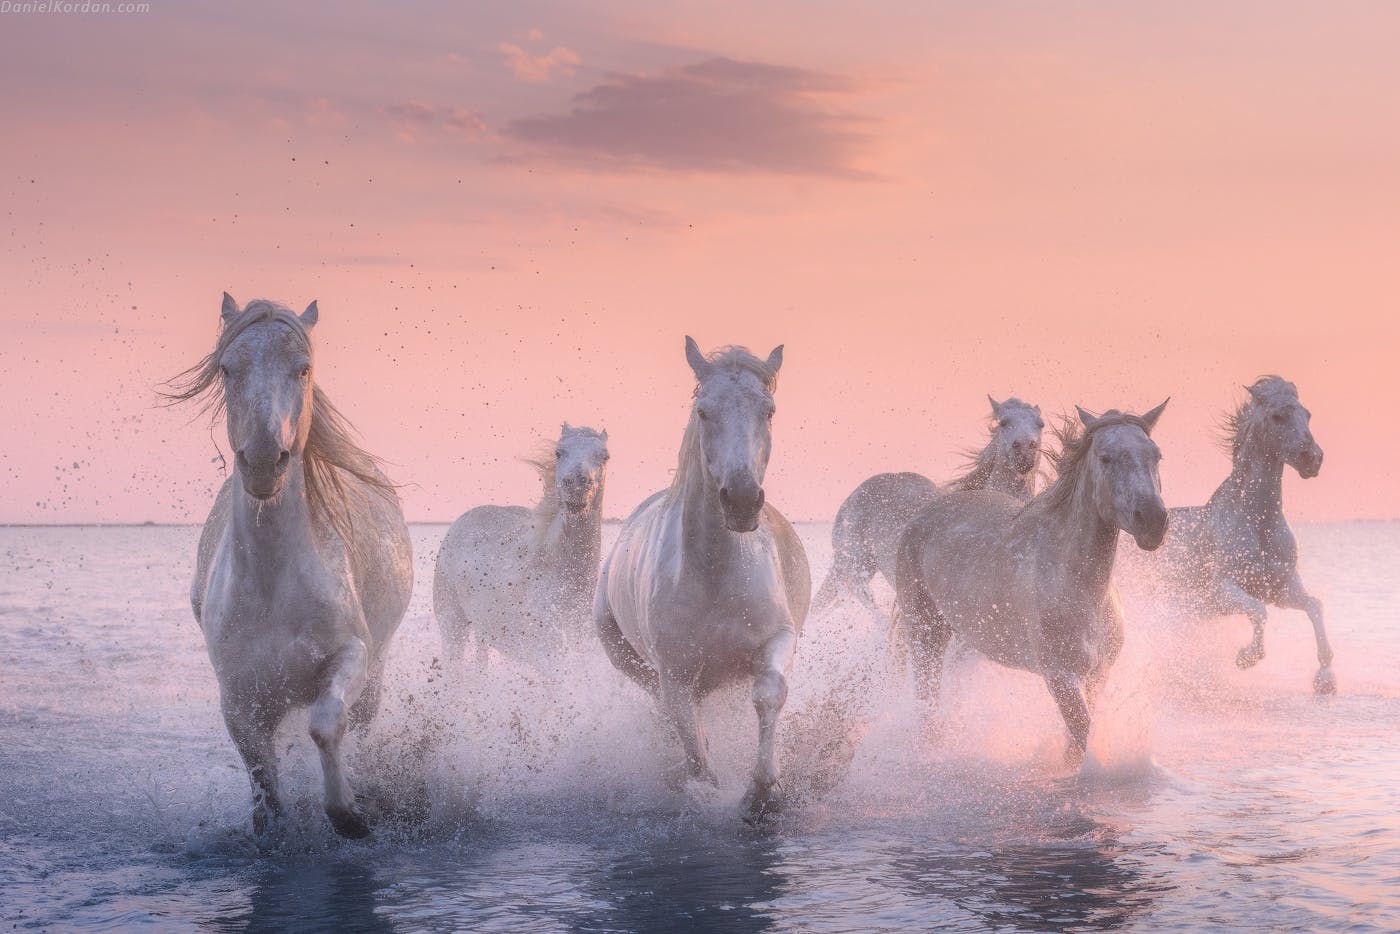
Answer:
[(536, 802)]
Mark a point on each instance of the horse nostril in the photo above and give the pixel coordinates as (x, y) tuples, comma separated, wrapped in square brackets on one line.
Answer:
[(283, 458)]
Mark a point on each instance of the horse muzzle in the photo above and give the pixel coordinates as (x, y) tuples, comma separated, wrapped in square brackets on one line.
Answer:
[(1149, 526), (263, 477), (741, 504), (1308, 463)]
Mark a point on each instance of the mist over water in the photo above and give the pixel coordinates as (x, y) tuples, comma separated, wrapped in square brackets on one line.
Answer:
[(526, 801)]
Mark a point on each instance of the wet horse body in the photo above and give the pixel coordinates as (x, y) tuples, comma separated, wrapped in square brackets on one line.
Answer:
[(868, 526), (708, 584), (304, 566), (521, 580), (1029, 585), (1236, 553)]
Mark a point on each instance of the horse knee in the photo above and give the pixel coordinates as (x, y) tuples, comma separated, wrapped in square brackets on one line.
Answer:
[(327, 722), (770, 689)]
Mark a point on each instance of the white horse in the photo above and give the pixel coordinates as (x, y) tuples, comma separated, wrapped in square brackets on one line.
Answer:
[(1236, 554), (304, 567), (1029, 585), (868, 525), (522, 580), (707, 584)]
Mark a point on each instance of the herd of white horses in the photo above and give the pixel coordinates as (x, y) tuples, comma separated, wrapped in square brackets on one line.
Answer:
[(304, 568)]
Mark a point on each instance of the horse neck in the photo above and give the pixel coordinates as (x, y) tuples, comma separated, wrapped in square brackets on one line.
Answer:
[(1256, 480), (1084, 542), (703, 532), (1003, 478), (574, 542), (270, 532)]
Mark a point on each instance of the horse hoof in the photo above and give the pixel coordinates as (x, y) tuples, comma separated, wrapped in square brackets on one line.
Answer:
[(1248, 658), (348, 822), (762, 802), (1324, 682)]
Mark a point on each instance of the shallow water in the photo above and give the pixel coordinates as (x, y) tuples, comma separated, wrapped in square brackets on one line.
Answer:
[(521, 803)]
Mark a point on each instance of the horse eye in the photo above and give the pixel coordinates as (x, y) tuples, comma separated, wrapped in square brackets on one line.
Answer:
[(559, 453), (304, 372), (1004, 423), (701, 413), (224, 371)]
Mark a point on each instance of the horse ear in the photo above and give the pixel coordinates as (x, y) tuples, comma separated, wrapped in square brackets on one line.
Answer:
[(1253, 393), (604, 436), (1150, 418), (775, 359), (698, 364), (229, 309), (1085, 418), (996, 406), (309, 316)]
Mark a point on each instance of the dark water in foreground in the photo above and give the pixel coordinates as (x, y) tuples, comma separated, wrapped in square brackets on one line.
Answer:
[(1221, 798)]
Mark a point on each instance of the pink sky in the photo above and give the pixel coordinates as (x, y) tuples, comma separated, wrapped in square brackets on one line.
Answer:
[(511, 215)]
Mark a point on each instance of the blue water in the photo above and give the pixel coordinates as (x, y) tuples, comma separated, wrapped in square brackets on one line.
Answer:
[(1220, 798)]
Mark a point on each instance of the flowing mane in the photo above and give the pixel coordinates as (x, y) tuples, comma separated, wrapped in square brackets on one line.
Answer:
[(734, 358), (1070, 459), (978, 464), (1235, 427), (331, 447), (545, 464)]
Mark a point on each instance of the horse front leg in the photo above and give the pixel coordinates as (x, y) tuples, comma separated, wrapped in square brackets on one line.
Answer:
[(1295, 597), (1235, 600), (1065, 688), (252, 735), (344, 678), (681, 709), (770, 690)]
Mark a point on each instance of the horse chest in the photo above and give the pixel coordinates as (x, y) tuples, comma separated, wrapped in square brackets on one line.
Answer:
[(1260, 556), (273, 633)]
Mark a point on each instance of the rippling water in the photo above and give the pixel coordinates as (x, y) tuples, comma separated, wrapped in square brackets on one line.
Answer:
[(1220, 798)]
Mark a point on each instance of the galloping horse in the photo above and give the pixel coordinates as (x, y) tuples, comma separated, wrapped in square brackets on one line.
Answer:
[(304, 566), (869, 523), (1236, 554), (707, 583), (522, 580), (1029, 585)]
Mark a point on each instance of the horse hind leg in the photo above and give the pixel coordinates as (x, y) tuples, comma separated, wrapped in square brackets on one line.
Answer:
[(850, 572), (346, 673), (1074, 709), (770, 689), (924, 635), (252, 737)]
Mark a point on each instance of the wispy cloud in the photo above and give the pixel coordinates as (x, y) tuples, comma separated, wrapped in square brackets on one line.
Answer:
[(410, 120), (538, 68), (718, 115)]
